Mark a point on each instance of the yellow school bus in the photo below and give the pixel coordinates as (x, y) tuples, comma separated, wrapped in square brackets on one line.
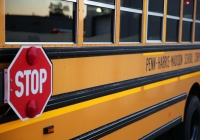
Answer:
[(122, 69)]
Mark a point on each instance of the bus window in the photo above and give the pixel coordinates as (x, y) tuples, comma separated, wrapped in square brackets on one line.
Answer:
[(133, 4), (173, 18), (155, 21), (105, 1), (154, 27), (197, 33), (153, 6), (98, 22), (198, 10), (40, 21), (131, 12), (187, 29), (187, 20), (172, 30), (188, 9), (173, 8)]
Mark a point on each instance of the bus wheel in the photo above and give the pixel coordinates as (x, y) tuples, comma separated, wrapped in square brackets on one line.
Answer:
[(192, 119)]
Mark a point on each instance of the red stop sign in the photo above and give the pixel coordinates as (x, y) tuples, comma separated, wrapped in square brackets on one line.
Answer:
[(29, 82)]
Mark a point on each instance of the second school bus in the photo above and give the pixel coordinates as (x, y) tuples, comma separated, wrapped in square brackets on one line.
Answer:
[(122, 69)]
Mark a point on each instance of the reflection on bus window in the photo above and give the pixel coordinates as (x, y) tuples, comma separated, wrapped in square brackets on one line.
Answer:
[(154, 28), (156, 6), (105, 1), (172, 30), (173, 8), (188, 9), (130, 31), (134, 4), (198, 10), (40, 21), (187, 28), (98, 24), (197, 33)]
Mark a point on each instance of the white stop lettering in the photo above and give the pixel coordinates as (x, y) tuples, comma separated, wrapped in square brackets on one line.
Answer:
[(38, 78)]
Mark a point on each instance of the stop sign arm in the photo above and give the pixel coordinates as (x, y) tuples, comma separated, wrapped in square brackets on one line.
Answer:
[(28, 82), (1, 86), (6, 86)]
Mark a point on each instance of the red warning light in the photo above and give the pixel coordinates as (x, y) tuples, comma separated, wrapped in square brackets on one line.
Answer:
[(32, 56), (187, 2), (32, 108), (54, 29)]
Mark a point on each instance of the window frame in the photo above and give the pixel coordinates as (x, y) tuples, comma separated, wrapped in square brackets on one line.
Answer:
[(131, 10), (157, 15), (196, 21), (53, 43), (103, 5), (191, 20), (174, 18), (187, 20)]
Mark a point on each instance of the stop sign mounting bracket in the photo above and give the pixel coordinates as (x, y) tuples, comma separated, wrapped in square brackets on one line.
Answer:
[(6, 86)]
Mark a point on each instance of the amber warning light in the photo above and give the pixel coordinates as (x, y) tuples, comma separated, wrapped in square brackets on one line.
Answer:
[(48, 130)]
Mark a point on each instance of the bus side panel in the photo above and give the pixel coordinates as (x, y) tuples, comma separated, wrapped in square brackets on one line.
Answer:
[(79, 121)]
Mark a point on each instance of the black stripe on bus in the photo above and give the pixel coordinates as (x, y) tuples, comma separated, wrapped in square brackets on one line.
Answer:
[(162, 129), (70, 98), (7, 54), (130, 119)]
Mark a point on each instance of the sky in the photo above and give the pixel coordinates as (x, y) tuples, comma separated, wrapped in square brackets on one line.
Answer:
[(30, 7)]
